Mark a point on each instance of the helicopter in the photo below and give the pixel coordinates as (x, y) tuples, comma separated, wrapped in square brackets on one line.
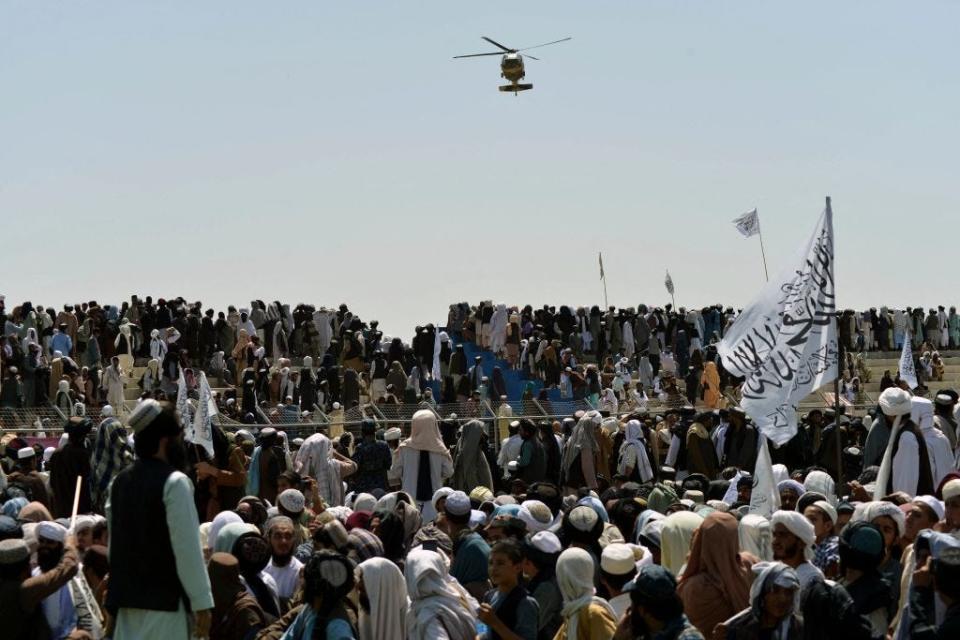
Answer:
[(511, 65)]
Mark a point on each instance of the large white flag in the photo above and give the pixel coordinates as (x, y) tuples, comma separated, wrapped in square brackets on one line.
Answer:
[(785, 342), (183, 407), (907, 371), (748, 224), (200, 430), (668, 283), (764, 499)]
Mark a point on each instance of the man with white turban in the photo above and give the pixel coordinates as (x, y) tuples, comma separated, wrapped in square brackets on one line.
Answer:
[(793, 544), (939, 450), (906, 465)]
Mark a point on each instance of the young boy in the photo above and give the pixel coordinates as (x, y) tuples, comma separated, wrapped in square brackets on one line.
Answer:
[(507, 610)]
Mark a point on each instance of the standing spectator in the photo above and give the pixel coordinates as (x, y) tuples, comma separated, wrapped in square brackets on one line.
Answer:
[(153, 536)]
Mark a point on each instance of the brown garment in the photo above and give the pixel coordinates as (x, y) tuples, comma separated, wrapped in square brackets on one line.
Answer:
[(604, 453), (23, 618), (34, 482), (701, 454), (716, 583), (235, 612)]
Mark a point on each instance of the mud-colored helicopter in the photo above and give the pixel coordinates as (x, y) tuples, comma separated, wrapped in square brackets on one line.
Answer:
[(511, 65)]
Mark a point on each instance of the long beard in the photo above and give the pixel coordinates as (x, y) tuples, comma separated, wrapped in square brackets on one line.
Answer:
[(176, 453), (282, 561)]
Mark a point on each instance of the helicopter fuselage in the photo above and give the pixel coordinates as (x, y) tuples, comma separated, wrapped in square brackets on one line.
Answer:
[(511, 67)]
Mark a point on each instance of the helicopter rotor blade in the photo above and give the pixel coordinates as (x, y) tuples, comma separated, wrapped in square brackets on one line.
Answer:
[(477, 55), (527, 55), (537, 46), (497, 44)]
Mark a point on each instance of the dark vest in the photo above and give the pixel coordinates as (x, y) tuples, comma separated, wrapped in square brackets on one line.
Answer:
[(925, 479), (143, 569)]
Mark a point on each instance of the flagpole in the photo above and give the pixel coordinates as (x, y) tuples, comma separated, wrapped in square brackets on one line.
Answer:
[(763, 253), (836, 381), (603, 278)]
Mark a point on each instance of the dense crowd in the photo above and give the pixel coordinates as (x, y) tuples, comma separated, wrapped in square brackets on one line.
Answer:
[(608, 523), (85, 353)]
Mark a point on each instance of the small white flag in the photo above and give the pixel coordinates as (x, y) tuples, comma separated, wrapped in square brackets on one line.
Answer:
[(748, 224), (200, 430), (668, 283), (785, 343), (435, 369), (764, 499), (183, 407), (908, 372)]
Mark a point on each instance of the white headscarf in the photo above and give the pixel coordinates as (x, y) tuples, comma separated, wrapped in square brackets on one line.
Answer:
[(314, 459), (821, 482), (387, 592), (634, 438), (435, 595), (425, 433), (575, 570)]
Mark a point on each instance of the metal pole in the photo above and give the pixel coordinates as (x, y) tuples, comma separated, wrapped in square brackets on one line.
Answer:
[(763, 253), (836, 384)]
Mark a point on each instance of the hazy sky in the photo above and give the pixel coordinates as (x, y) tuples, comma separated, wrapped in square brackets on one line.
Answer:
[(334, 152)]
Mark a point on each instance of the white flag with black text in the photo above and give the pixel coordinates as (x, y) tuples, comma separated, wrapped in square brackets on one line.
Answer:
[(785, 342), (668, 283), (908, 371), (748, 224), (200, 430)]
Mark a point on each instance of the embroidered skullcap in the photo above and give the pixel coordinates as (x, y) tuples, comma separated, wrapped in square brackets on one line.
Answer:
[(292, 500), (145, 413), (457, 504)]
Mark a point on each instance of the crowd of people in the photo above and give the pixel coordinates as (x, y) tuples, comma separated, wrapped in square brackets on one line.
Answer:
[(84, 355), (607, 523)]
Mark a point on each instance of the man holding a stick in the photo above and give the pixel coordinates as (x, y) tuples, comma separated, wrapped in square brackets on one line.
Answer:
[(158, 582)]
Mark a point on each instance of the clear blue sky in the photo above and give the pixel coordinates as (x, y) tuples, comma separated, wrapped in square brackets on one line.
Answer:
[(332, 152)]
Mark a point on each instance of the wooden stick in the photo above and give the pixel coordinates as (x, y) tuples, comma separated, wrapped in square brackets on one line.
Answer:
[(76, 505)]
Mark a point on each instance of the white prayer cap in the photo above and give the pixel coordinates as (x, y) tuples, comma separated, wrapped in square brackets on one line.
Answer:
[(106, 412), (827, 508), (51, 531), (951, 489), (536, 515), (291, 500), (336, 406), (477, 518), (617, 559), (26, 452), (935, 505), (546, 542), (458, 504), (393, 433), (895, 402)]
